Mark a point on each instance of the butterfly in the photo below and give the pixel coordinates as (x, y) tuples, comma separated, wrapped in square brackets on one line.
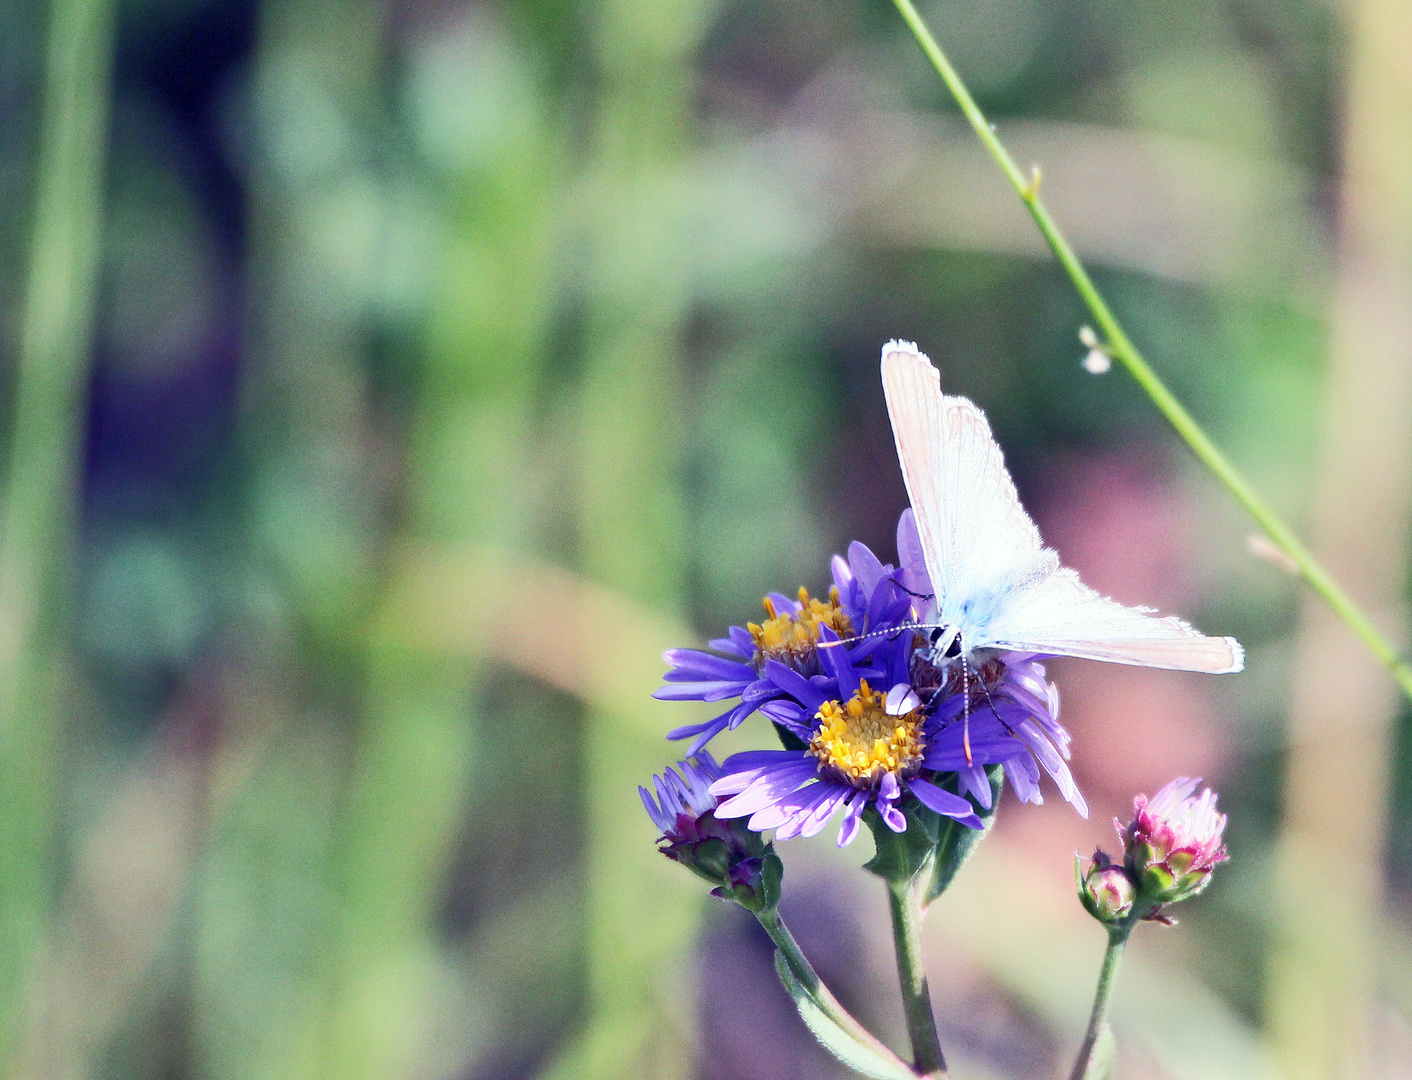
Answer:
[(996, 586)]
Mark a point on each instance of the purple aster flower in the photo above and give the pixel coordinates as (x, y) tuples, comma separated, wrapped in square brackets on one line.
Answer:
[(737, 861), (867, 597), (865, 748)]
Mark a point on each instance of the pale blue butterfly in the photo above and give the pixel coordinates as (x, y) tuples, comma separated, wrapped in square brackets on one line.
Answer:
[(996, 586)]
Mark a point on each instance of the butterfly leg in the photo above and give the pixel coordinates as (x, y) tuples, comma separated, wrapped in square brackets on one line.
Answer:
[(991, 702)]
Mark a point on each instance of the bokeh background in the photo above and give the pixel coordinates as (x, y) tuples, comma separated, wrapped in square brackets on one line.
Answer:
[(387, 382)]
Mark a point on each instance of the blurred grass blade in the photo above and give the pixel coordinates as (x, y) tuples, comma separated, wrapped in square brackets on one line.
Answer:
[(1326, 974), (861, 1059), (38, 507), (263, 905), (1120, 347), (631, 516), (495, 187)]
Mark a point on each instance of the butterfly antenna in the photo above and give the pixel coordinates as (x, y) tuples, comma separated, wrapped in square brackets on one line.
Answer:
[(966, 709), (894, 630)]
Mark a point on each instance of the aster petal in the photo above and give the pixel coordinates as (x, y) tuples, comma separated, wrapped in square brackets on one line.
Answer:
[(1053, 764), (698, 743), (699, 691), (795, 685), (785, 604), (789, 812), (825, 809), (692, 665), (806, 811), (901, 699), (765, 789), (892, 817), (912, 564), (946, 749), (706, 731), (658, 818), (748, 760), (838, 664), (1172, 795), (742, 770), (883, 604), (789, 715), (973, 781), (852, 817), (944, 802), (744, 641), (866, 566), (842, 574), (1023, 775), (731, 647)]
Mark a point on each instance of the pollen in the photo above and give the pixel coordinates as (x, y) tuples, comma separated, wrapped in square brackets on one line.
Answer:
[(859, 741), (793, 638)]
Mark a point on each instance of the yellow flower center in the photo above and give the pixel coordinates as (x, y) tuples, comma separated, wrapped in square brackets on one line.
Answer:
[(793, 638), (859, 741)]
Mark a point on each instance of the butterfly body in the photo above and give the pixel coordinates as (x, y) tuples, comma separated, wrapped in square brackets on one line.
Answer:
[(995, 586)]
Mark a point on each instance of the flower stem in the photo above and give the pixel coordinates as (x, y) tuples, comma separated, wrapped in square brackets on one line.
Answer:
[(1107, 976), (1121, 348), (809, 979), (916, 997)]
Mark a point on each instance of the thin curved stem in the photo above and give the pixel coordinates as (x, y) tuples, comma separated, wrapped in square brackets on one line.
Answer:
[(808, 978), (911, 973), (1098, 1017), (1120, 347)]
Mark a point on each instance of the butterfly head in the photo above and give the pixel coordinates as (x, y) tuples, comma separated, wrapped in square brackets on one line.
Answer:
[(944, 645)]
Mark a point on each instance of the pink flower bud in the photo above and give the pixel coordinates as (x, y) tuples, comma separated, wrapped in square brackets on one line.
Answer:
[(1173, 842), (1106, 891)]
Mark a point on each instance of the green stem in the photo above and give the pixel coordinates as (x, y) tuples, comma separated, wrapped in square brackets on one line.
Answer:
[(808, 978), (38, 502), (912, 974), (1121, 348), (1107, 976)]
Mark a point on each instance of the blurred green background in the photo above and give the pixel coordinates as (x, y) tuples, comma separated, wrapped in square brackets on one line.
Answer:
[(387, 382)]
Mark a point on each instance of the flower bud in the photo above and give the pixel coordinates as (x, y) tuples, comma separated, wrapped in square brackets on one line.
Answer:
[(725, 852), (1173, 842), (1106, 891)]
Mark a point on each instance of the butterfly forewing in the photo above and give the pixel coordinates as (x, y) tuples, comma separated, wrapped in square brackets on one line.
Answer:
[(973, 530)]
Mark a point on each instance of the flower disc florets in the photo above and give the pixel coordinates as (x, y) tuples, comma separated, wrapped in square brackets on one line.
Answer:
[(792, 636), (858, 741)]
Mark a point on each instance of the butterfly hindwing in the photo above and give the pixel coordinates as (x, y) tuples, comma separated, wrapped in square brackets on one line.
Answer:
[(1064, 617)]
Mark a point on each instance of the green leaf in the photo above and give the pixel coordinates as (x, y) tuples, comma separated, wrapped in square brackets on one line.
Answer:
[(900, 857), (842, 1044), (956, 842), (1104, 1058)]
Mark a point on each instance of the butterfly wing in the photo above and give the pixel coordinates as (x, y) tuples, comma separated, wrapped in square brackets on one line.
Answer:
[(1064, 617), (974, 533)]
